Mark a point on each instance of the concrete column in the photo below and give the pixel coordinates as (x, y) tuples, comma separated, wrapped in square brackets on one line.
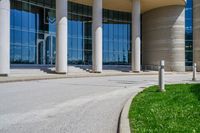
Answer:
[(97, 36), (136, 37), (168, 45), (61, 36), (4, 37)]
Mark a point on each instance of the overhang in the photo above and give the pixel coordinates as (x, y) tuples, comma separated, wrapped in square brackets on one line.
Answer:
[(126, 5)]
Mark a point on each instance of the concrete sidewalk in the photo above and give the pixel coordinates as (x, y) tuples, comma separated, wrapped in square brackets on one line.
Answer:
[(38, 74), (28, 74)]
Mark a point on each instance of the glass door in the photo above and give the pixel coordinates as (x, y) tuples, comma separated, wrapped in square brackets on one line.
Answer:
[(46, 50), (41, 53), (53, 49), (50, 49)]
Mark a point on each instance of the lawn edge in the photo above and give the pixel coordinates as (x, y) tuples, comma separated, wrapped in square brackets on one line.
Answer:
[(124, 126), (124, 120)]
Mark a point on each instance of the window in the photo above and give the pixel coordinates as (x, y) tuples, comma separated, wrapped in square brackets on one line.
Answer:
[(189, 33)]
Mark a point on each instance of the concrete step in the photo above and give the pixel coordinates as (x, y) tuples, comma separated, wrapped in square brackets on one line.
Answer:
[(26, 71), (71, 69), (75, 69), (43, 70)]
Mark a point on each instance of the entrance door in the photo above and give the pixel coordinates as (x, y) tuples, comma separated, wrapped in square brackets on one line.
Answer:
[(41, 53), (47, 50), (50, 49)]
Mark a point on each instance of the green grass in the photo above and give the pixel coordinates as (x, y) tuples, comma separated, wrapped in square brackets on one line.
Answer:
[(176, 110)]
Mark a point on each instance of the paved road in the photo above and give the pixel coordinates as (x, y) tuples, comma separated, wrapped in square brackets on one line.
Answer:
[(79, 105)]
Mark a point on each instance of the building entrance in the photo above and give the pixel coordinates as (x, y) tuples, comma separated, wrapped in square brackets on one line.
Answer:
[(46, 50)]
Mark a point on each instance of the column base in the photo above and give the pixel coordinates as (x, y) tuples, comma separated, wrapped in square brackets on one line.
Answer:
[(194, 79), (96, 72), (136, 71), (3, 75), (63, 73), (162, 90)]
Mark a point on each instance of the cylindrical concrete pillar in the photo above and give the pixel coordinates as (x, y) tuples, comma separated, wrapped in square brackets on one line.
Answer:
[(61, 36), (136, 37), (97, 36), (4, 37), (196, 32), (163, 37)]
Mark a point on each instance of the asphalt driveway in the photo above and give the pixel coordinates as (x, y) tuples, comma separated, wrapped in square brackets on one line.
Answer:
[(76, 105)]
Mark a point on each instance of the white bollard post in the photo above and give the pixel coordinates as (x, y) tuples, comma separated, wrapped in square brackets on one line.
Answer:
[(194, 72), (162, 76)]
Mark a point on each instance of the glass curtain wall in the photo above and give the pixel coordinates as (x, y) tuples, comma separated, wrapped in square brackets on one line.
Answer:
[(116, 37), (33, 34), (79, 34), (189, 33), (32, 21)]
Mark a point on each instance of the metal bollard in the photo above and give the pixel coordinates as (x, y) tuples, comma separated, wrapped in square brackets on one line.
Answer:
[(194, 72), (162, 76)]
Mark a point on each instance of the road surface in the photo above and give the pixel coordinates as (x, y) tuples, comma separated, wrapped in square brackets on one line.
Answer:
[(76, 105)]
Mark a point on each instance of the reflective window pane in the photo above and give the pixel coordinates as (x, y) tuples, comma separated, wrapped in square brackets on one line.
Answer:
[(189, 33)]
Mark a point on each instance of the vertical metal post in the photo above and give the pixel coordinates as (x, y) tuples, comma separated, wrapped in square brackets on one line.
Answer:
[(162, 76), (194, 72)]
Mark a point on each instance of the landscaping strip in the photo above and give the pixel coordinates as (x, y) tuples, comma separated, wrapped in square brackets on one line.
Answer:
[(176, 110)]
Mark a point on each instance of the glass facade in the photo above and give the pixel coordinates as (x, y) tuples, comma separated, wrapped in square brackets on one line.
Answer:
[(79, 34), (33, 34), (116, 37), (189, 33)]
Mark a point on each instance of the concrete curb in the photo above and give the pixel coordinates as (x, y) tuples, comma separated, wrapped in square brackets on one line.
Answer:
[(50, 77), (124, 120), (124, 125)]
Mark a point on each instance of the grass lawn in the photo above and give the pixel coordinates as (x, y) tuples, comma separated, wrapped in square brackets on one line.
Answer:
[(176, 110)]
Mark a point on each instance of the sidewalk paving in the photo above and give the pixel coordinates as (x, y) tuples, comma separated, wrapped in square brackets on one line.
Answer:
[(29, 75)]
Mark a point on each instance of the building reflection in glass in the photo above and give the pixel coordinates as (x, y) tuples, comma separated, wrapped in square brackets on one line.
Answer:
[(33, 34), (189, 33)]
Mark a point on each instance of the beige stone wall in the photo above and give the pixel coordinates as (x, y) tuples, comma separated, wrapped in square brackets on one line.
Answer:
[(163, 37), (196, 32)]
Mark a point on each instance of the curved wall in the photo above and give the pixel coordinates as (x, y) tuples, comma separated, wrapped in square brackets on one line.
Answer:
[(126, 5), (163, 37), (196, 32)]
